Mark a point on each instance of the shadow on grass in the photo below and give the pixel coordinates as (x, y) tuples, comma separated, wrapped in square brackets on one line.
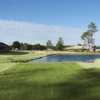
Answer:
[(13, 53), (82, 86), (29, 72)]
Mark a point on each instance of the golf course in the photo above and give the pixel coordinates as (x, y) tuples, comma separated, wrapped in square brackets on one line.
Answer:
[(20, 80)]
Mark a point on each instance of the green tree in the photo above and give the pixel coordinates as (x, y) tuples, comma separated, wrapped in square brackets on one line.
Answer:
[(86, 36), (37, 47), (79, 44), (60, 43), (16, 44), (84, 44), (21, 46), (43, 47), (49, 44), (25, 46), (92, 29), (30, 47)]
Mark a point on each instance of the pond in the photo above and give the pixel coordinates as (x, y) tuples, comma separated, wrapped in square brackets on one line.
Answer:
[(67, 58)]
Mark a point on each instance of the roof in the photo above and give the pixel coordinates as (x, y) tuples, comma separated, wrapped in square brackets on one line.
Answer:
[(79, 47), (3, 44)]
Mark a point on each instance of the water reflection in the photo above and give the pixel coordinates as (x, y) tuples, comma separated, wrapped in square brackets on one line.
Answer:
[(67, 58)]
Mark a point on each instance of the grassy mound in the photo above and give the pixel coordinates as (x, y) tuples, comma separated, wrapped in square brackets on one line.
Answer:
[(95, 64)]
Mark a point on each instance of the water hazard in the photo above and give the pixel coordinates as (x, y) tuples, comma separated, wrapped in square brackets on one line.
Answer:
[(67, 58)]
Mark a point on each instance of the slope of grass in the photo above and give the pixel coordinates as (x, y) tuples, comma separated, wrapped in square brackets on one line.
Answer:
[(49, 81), (95, 64), (5, 66), (19, 56)]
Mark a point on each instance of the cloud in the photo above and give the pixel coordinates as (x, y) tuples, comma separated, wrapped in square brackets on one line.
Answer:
[(36, 33)]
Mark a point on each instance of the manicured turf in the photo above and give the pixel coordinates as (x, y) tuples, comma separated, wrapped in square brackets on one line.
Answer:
[(19, 56), (5, 66), (50, 81), (95, 64)]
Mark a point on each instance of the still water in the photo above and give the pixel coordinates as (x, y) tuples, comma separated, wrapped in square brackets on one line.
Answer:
[(67, 58)]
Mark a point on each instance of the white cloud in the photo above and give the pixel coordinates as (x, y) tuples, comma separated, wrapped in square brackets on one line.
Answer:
[(36, 33)]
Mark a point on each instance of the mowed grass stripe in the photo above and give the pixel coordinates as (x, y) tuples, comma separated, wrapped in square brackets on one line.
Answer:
[(49, 81), (5, 66), (95, 64)]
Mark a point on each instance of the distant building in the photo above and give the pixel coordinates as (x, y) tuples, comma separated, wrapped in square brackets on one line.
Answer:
[(4, 47), (97, 50), (80, 48), (52, 49)]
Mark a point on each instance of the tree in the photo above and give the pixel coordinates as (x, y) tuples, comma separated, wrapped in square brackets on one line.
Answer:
[(37, 47), (86, 36), (79, 44), (43, 47), (84, 44), (16, 44), (21, 46), (92, 29), (98, 47), (49, 44), (30, 47), (60, 43), (25, 46)]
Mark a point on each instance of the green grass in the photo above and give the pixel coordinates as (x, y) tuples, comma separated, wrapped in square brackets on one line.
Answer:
[(13, 53), (24, 56), (50, 81), (5, 66), (7, 57), (95, 64)]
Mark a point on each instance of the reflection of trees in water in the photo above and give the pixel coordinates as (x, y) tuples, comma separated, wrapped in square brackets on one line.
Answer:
[(66, 58), (90, 58), (60, 58), (48, 59), (86, 58), (70, 58), (54, 58)]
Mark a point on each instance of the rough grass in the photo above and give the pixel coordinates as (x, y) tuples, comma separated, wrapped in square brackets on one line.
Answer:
[(50, 81), (24, 56)]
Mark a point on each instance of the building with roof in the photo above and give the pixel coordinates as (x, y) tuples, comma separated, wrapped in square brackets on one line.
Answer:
[(4, 47), (81, 48)]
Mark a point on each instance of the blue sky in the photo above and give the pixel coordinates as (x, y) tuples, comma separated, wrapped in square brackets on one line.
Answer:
[(37, 21)]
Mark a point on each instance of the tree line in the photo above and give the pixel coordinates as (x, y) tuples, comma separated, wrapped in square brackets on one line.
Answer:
[(86, 36), (26, 46)]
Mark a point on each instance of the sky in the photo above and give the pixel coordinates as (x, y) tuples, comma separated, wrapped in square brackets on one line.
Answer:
[(37, 21)]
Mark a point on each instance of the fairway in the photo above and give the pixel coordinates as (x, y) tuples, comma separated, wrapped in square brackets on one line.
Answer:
[(49, 81)]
